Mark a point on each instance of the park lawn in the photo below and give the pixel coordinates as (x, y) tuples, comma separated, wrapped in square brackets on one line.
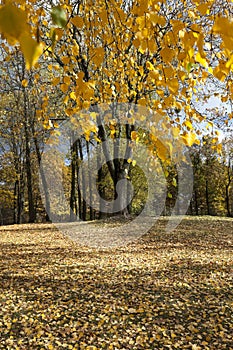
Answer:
[(164, 291)]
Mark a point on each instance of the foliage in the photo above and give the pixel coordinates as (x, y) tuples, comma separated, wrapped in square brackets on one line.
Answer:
[(145, 52)]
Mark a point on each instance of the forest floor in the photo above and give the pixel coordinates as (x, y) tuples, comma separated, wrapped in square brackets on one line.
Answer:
[(162, 291)]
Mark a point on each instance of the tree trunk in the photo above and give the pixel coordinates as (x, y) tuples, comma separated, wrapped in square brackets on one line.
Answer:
[(73, 200), (42, 175), (118, 168), (207, 197), (90, 183), (229, 180), (99, 185), (31, 207), (84, 205)]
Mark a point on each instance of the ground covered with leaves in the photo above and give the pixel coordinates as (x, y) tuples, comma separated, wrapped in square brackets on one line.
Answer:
[(164, 291)]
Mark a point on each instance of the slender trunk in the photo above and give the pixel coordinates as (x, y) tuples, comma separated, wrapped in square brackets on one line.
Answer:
[(32, 212), (90, 182), (99, 184), (17, 213), (228, 201), (229, 180), (42, 175), (207, 197), (196, 202), (129, 206), (79, 209), (84, 205), (73, 200)]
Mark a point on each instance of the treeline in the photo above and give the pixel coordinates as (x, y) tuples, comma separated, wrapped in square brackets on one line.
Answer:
[(21, 196)]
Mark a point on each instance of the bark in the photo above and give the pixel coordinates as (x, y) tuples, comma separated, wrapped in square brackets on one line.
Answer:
[(32, 212), (99, 185), (84, 205), (207, 197), (118, 168), (42, 175), (90, 183), (73, 199), (31, 207), (229, 180)]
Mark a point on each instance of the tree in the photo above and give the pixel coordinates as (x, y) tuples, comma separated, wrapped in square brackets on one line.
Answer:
[(228, 164)]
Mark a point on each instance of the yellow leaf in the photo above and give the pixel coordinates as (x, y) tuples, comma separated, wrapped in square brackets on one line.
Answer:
[(167, 54), (162, 150), (176, 132), (73, 95), (24, 83), (149, 66), (201, 60), (141, 71), (98, 55), (56, 81), (188, 124), (65, 60), (31, 49), (13, 22), (173, 85), (66, 99), (77, 21), (203, 8), (223, 26), (134, 135), (67, 80), (190, 139), (64, 88)]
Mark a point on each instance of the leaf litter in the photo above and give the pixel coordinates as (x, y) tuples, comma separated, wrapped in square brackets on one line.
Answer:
[(163, 291)]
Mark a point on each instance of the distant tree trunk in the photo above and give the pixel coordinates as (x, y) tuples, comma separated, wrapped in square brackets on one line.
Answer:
[(100, 185), (84, 205), (228, 185), (207, 197), (42, 175), (196, 202), (31, 208), (79, 206), (129, 206), (28, 166), (17, 203), (73, 199), (90, 182), (228, 201)]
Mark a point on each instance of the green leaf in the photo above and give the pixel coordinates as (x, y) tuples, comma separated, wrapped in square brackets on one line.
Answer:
[(58, 15)]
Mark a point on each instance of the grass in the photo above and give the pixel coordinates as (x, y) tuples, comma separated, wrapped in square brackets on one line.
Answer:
[(164, 291)]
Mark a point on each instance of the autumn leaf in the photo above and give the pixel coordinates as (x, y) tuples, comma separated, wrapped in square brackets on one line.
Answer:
[(190, 139), (31, 49), (77, 21), (24, 82), (13, 22), (58, 15)]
